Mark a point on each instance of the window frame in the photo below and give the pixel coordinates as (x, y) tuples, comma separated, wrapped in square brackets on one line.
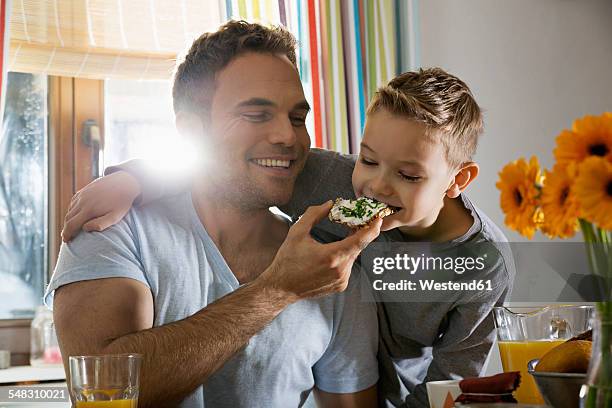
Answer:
[(69, 169), (69, 157)]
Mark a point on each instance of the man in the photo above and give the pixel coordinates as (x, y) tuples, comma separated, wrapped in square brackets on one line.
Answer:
[(210, 286)]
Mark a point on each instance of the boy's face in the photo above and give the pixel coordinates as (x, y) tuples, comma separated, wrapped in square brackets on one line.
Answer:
[(401, 166)]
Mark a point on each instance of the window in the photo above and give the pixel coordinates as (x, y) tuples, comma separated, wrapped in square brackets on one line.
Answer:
[(23, 196), (139, 120)]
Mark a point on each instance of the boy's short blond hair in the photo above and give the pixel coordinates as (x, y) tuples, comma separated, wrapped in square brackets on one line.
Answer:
[(441, 101)]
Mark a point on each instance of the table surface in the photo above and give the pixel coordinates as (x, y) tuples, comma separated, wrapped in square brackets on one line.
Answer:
[(29, 373)]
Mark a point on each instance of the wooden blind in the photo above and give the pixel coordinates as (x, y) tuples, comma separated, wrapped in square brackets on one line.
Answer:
[(130, 39)]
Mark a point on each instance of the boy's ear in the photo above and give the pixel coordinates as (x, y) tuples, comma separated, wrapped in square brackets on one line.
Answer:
[(464, 176)]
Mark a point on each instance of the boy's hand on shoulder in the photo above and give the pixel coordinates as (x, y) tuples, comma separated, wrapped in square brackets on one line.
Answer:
[(100, 204)]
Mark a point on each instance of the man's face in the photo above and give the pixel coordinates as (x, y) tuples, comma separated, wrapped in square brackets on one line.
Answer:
[(401, 166), (257, 139)]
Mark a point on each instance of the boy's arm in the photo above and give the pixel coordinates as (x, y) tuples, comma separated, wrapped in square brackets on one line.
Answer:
[(326, 176), (367, 398), (153, 184), (105, 201)]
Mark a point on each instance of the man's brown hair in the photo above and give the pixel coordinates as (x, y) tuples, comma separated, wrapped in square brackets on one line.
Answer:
[(194, 77), (442, 102)]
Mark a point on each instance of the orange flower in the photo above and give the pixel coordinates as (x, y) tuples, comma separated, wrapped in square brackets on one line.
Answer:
[(520, 183), (559, 204), (593, 191), (590, 136)]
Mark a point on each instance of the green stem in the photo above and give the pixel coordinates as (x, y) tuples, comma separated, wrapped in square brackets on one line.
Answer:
[(599, 254)]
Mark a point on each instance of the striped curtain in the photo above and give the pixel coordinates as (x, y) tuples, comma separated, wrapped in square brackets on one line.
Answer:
[(347, 50)]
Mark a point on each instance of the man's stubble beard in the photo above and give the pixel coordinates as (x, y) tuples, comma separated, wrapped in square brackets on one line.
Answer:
[(245, 196)]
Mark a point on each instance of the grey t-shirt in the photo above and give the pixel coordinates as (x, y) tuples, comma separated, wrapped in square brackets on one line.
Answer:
[(427, 341), (329, 342)]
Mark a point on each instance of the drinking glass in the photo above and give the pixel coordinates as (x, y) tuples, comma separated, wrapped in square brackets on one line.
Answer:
[(105, 381)]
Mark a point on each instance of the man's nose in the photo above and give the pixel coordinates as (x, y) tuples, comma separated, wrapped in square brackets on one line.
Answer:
[(283, 133)]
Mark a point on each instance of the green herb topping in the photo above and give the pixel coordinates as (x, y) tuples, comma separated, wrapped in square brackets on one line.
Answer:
[(363, 206)]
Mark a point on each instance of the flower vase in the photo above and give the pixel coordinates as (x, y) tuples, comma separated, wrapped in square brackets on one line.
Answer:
[(597, 392)]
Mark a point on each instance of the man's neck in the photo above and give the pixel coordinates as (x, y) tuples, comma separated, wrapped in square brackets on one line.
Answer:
[(241, 233)]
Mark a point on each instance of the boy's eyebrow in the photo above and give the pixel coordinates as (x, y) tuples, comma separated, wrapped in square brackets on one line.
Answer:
[(365, 146), (411, 162)]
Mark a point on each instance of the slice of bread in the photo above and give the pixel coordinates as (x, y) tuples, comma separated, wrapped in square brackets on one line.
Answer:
[(358, 213)]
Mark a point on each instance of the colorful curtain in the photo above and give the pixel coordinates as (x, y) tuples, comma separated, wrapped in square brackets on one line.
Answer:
[(347, 50)]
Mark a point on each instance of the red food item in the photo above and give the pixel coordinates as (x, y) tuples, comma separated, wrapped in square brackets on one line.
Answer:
[(496, 388)]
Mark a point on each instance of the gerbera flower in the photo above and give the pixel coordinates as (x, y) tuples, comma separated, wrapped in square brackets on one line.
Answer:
[(590, 136), (559, 204), (594, 191), (520, 183)]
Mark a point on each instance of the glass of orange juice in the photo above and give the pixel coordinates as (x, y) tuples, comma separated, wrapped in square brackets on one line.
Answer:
[(105, 381), (524, 334)]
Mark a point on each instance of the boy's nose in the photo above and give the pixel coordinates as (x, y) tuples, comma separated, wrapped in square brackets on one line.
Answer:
[(380, 188)]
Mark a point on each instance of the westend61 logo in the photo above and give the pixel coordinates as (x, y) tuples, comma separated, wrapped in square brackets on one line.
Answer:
[(412, 264), (478, 271), (439, 270), (431, 272)]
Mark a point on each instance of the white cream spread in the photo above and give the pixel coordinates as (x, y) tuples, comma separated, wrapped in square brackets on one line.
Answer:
[(355, 213)]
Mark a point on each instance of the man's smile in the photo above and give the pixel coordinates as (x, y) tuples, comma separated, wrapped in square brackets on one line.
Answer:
[(273, 163), (279, 166)]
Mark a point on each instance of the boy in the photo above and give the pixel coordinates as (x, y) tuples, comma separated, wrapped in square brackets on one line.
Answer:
[(416, 154)]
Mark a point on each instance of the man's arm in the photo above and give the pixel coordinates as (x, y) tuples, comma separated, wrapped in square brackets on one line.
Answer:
[(115, 315), (362, 399)]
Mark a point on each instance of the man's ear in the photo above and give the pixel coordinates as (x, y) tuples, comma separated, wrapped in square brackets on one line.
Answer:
[(464, 176), (189, 125)]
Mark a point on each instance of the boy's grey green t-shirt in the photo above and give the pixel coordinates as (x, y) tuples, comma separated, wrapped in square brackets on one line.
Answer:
[(329, 342), (419, 341)]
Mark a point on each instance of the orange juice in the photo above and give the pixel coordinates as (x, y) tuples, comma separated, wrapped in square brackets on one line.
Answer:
[(515, 355), (106, 395), (122, 403)]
